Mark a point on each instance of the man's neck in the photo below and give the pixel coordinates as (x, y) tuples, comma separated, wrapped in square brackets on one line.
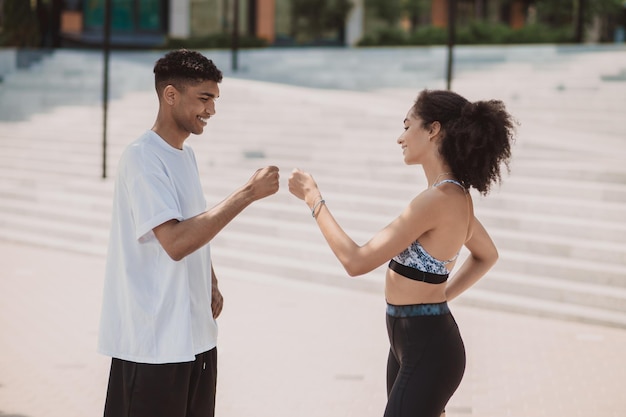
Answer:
[(172, 138)]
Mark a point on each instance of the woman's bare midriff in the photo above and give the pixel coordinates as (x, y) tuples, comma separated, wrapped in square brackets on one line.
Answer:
[(400, 290)]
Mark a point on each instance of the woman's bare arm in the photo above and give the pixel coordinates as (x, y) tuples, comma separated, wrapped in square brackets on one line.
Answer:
[(419, 217), (483, 255)]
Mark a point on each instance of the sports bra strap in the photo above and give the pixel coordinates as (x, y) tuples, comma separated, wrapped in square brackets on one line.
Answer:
[(449, 181)]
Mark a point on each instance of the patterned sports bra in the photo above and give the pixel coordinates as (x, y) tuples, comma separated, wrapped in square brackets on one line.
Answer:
[(417, 264)]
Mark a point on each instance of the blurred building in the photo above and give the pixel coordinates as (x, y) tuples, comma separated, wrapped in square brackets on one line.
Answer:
[(137, 23), (140, 23)]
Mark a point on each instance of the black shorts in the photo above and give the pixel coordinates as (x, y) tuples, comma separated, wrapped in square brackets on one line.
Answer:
[(184, 389), (426, 359)]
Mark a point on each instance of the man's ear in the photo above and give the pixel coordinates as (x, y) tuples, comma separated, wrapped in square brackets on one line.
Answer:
[(169, 94)]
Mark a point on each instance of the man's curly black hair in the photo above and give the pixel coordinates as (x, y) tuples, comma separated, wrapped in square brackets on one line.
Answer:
[(183, 67), (476, 139)]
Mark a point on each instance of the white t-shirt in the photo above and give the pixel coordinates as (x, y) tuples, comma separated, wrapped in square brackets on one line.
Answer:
[(155, 310)]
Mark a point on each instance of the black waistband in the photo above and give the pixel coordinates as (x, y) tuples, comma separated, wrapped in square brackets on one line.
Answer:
[(416, 274), (415, 310)]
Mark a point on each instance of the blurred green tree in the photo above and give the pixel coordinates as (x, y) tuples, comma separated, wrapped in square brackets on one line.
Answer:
[(20, 27), (416, 11), (390, 11), (313, 20)]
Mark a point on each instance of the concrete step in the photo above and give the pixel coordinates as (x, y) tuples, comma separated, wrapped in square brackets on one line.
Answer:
[(376, 204), (312, 261), (58, 208), (363, 220), (57, 241), (477, 296), (575, 270), (486, 299), (611, 171), (584, 190), (565, 207), (599, 251), (553, 225), (542, 308), (61, 163), (557, 219), (277, 265), (65, 235), (548, 288)]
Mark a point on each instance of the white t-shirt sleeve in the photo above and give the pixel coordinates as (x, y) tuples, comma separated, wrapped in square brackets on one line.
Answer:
[(153, 200)]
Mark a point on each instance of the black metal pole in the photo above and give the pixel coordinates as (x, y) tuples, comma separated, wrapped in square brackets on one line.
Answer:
[(580, 22), (451, 40), (105, 82), (235, 37)]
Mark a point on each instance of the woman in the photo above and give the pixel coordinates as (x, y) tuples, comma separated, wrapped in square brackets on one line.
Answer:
[(459, 145)]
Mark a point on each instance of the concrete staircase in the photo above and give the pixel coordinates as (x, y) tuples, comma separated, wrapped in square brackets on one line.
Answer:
[(558, 218)]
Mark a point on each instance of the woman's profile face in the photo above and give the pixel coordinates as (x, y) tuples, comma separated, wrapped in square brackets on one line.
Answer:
[(414, 140)]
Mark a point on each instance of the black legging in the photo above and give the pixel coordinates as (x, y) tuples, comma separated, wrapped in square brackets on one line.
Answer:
[(426, 360)]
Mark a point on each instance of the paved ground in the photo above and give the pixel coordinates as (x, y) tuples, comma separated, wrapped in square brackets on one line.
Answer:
[(293, 348)]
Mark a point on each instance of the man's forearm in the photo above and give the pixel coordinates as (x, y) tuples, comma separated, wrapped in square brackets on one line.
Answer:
[(179, 239)]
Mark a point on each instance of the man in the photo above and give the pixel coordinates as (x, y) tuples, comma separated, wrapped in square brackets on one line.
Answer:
[(161, 297)]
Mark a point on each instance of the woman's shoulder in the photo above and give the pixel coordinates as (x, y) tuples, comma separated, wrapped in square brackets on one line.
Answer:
[(442, 202), (430, 202), (441, 194)]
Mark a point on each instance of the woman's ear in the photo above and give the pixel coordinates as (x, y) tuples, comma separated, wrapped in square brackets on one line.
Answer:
[(435, 128)]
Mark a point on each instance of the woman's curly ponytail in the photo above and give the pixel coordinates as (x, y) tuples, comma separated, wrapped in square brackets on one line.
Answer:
[(476, 136)]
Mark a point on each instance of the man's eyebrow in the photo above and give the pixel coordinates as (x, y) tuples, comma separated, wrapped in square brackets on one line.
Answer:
[(211, 95)]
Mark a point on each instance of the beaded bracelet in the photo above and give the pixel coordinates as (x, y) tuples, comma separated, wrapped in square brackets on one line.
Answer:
[(320, 201)]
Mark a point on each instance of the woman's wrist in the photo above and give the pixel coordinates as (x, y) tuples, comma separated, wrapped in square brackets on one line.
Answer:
[(317, 206), (313, 198)]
